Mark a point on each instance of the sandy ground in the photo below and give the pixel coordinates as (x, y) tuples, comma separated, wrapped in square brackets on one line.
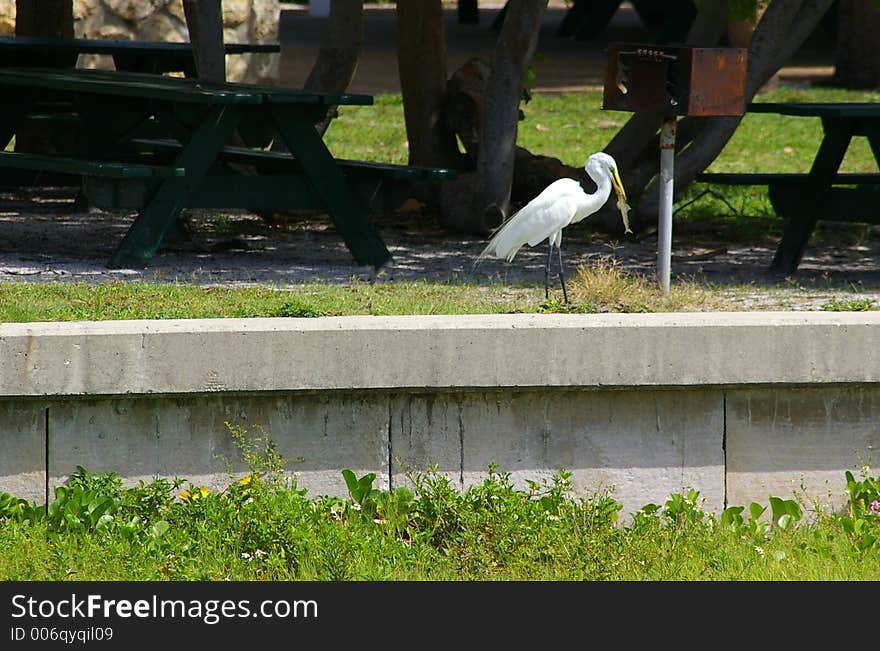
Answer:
[(42, 237)]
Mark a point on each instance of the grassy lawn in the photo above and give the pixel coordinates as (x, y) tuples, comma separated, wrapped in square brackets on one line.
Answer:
[(570, 126), (604, 287)]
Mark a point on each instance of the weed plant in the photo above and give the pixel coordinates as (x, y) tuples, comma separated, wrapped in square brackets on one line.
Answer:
[(262, 526)]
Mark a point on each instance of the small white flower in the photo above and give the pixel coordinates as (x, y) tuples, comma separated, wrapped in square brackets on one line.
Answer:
[(760, 550)]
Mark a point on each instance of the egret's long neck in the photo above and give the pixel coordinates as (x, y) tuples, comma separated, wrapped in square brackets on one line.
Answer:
[(597, 199), (603, 187)]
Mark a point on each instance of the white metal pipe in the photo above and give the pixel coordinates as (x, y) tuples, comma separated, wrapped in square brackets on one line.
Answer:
[(667, 175)]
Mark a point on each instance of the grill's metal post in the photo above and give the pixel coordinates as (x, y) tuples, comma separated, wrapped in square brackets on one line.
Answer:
[(667, 175)]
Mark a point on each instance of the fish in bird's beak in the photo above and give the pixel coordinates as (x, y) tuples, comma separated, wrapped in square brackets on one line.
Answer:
[(622, 205)]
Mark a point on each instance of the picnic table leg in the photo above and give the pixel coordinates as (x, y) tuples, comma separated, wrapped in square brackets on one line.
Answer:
[(145, 235), (10, 118), (797, 229), (350, 215)]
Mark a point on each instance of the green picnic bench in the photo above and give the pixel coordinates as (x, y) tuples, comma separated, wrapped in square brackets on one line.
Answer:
[(156, 57), (161, 144), (79, 167), (384, 186), (56, 121), (823, 193)]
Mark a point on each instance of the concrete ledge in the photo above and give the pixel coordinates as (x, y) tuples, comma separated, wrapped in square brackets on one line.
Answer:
[(434, 352), (740, 406)]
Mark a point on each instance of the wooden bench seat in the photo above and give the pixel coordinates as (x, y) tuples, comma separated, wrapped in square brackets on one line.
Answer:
[(105, 184), (82, 167)]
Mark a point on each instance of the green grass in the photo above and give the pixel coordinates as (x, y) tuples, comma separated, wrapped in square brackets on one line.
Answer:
[(605, 286), (26, 302), (568, 126), (264, 527), (572, 125)]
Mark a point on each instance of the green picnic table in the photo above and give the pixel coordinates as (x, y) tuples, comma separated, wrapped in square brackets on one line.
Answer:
[(156, 57), (161, 144), (823, 193)]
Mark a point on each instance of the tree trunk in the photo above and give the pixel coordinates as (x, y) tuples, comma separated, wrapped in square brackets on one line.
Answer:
[(489, 188), (784, 26), (421, 57), (54, 18), (339, 52), (204, 20), (857, 63), (49, 18), (465, 105)]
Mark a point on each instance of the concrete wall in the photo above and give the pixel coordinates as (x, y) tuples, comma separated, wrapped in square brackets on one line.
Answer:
[(739, 406)]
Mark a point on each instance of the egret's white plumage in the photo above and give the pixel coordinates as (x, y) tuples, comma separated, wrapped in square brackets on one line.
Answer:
[(560, 204)]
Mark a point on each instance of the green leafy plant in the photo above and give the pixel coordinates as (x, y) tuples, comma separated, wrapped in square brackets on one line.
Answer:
[(16, 508), (680, 509), (862, 523), (551, 495), (784, 512), (108, 483), (78, 509), (393, 511), (361, 491)]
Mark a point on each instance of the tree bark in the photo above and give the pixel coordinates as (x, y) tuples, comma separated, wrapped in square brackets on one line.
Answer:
[(204, 20), (338, 55), (49, 18), (54, 18), (421, 57), (492, 182), (857, 62), (465, 105)]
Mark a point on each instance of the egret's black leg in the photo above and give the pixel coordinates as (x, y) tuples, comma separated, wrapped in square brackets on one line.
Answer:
[(547, 273), (561, 273)]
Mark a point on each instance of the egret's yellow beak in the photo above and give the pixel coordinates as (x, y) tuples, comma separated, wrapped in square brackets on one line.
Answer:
[(621, 199)]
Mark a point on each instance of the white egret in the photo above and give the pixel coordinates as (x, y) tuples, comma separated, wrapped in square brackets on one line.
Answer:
[(561, 203)]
